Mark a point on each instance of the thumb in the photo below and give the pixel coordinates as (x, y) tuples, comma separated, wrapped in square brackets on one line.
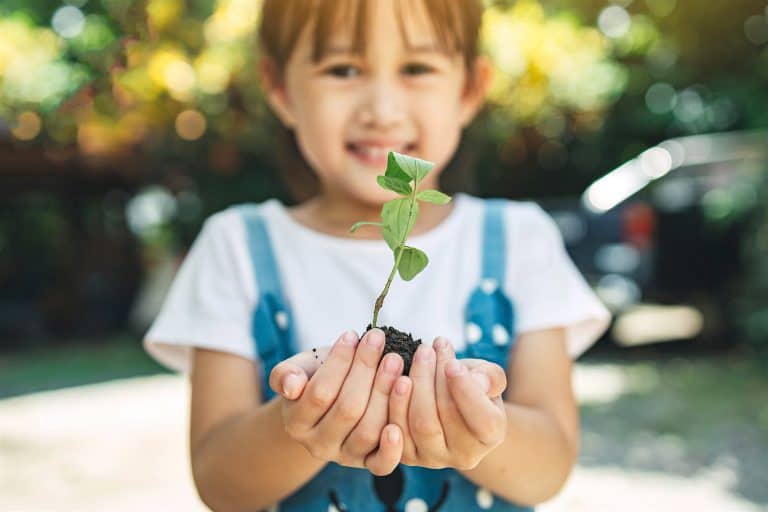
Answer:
[(484, 371), (289, 377)]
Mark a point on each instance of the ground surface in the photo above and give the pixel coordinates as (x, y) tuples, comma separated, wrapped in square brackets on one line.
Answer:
[(658, 434)]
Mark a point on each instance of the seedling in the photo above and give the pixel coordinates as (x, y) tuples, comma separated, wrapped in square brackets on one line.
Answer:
[(398, 216)]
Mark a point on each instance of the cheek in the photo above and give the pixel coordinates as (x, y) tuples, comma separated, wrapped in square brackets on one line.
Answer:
[(320, 129), (441, 130)]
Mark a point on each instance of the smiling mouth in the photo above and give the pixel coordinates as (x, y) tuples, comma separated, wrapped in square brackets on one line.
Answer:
[(374, 155)]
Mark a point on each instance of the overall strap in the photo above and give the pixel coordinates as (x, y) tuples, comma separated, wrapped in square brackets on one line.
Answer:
[(272, 328), (494, 241), (260, 250), (489, 314)]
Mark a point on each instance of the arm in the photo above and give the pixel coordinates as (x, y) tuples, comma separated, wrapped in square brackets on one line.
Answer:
[(246, 456), (242, 459), (541, 444)]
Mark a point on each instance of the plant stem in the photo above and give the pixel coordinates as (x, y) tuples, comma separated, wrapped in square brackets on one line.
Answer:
[(380, 298)]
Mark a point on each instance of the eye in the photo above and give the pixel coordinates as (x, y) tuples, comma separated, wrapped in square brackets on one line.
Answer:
[(343, 71), (416, 68)]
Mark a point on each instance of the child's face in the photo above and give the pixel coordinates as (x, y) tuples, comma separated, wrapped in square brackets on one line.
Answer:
[(348, 111)]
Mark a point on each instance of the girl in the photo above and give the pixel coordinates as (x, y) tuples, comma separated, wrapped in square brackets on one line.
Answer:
[(264, 285)]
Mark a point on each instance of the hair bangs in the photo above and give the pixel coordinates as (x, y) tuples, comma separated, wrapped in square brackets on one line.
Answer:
[(455, 24)]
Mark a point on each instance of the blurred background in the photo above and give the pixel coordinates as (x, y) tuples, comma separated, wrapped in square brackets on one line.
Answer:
[(638, 124)]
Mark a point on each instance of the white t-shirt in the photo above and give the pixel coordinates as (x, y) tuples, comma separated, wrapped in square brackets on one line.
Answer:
[(331, 283)]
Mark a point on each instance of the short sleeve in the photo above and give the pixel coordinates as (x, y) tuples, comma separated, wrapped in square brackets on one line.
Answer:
[(547, 288), (211, 299)]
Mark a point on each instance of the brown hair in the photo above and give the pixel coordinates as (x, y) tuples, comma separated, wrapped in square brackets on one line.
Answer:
[(456, 24)]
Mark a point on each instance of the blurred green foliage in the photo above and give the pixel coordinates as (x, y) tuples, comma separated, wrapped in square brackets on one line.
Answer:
[(581, 86)]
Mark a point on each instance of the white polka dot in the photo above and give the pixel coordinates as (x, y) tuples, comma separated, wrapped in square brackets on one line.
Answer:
[(500, 335), (416, 505), (484, 498), (281, 319), (332, 508), (473, 332), (489, 285)]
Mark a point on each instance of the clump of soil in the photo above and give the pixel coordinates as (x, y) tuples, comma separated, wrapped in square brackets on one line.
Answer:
[(400, 343)]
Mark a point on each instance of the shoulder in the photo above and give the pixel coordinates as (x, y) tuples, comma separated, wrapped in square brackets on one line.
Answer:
[(520, 217), (529, 220), (533, 237), (228, 225), (521, 212)]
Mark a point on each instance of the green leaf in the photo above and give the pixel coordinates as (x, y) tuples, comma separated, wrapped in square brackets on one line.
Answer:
[(394, 170), (411, 263), (415, 168), (398, 221), (363, 223), (394, 184), (433, 196)]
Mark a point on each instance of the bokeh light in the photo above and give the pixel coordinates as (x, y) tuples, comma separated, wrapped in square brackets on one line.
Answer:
[(27, 126), (661, 98), (756, 29), (68, 21), (190, 125), (690, 106), (614, 21), (547, 65)]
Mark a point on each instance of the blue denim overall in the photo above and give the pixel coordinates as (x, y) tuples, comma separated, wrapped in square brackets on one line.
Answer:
[(489, 335)]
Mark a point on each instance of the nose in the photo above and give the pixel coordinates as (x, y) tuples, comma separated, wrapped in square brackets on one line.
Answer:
[(382, 104)]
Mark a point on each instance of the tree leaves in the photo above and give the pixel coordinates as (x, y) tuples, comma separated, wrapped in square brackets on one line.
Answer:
[(399, 216), (433, 196), (411, 263)]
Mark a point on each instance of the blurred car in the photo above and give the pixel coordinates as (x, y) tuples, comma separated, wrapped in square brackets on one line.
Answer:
[(660, 237)]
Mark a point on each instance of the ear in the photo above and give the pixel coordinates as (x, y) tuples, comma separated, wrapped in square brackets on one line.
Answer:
[(275, 91), (478, 82)]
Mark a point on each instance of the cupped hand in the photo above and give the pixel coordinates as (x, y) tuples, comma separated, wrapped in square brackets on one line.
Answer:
[(338, 410), (450, 411)]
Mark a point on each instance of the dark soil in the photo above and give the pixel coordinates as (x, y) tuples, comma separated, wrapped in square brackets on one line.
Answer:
[(400, 343)]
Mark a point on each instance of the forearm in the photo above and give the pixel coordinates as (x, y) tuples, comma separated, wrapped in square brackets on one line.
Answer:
[(249, 462), (532, 463)]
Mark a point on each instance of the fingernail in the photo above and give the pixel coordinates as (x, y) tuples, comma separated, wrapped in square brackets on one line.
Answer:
[(401, 388), (391, 364), (439, 344), (349, 338), (393, 435), (424, 353), (483, 380), (290, 385), (454, 368), (375, 340)]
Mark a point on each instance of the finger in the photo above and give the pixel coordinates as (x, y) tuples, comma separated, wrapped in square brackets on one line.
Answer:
[(297, 369), (450, 417), (384, 460), (399, 401), (485, 418), (495, 374), (365, 436), (423, 420), (355, 393), (324, 386)]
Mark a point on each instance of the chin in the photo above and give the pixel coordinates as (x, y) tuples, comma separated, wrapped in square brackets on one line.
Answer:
[(373, 197)]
